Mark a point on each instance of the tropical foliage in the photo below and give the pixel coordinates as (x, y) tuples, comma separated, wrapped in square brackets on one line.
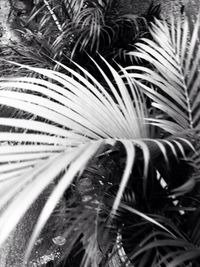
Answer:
[(69, 29), (172, 84), (120, 151)]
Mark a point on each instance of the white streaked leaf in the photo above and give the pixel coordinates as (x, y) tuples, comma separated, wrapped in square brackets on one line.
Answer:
[(43, 127), (78, 164), (130, 154), (174, 54), (32, 186)]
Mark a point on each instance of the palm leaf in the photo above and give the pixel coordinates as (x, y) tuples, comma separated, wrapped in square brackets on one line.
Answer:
[(73, 119), (174, 55), (173, 76), (171, 81)]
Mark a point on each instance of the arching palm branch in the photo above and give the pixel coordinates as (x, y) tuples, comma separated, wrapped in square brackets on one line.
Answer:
[(75, 120), (174, 77), (174, 56), (172, 84)]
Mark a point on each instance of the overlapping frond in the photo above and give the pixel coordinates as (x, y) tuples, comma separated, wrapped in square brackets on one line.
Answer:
[(174, 77), (168, 73)]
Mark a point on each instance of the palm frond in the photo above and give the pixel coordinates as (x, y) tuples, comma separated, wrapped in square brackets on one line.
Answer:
[(174, 56), (74, 117)]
